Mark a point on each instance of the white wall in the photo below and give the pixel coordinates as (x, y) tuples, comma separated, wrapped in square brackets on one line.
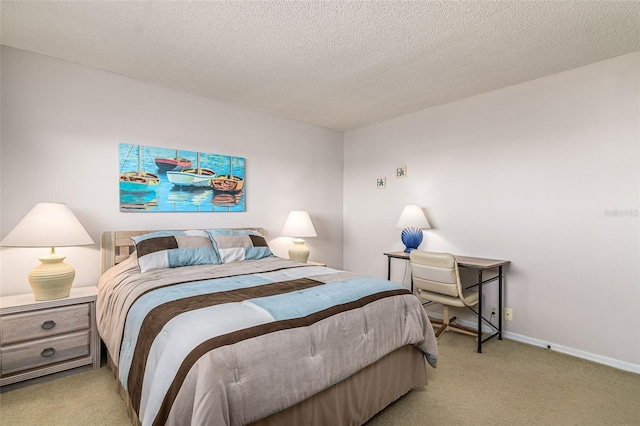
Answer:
[(61, 125), (526, 174)]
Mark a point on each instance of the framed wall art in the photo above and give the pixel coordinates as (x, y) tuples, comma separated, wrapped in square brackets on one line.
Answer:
[(169, 180)]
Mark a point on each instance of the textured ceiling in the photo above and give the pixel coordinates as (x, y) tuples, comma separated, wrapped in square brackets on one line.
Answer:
[(338, 64)]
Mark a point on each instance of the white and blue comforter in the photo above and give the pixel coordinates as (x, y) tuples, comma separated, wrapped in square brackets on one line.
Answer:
[(233, 343)]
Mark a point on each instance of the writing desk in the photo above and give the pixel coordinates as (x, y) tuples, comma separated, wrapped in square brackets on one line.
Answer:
[(480, 265)]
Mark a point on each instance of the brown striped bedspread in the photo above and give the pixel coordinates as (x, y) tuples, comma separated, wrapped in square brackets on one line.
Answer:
[(233, 343)]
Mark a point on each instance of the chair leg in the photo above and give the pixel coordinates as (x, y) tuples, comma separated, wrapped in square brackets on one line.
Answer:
[(450, 324), (462, 329), (441, 326), (444, 324)]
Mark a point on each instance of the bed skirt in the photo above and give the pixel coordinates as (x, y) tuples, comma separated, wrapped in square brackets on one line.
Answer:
[(350, 402)]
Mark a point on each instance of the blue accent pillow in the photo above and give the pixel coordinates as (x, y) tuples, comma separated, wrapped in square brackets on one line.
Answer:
[(173, 249), (236, 245)]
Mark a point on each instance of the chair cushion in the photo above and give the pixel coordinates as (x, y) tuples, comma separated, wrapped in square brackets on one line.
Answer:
[(450, 290), (437, 260), (435, 278), (471, 297)]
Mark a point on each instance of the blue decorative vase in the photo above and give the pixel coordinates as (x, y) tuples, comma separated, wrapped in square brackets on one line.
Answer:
[(411, 238)]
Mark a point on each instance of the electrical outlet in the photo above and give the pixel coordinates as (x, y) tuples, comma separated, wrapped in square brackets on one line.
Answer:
[(494, 310), (508, 314)]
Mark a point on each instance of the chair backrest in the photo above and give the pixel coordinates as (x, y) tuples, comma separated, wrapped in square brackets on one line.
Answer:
[(435, 273)]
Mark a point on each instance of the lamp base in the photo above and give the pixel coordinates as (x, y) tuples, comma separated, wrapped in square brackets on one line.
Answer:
[(52, 279), (411, 238), (299, 252)]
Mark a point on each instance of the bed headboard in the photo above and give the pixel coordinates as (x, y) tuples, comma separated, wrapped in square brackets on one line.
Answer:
[(116, 246)]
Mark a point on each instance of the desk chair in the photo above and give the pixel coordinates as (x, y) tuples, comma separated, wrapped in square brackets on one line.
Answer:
[(436, 279)]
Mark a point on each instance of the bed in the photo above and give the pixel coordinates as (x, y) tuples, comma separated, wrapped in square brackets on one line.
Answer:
[(232, 335)]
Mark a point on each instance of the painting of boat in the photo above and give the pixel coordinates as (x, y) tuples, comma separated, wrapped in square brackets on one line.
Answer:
[(157, 179), (228, 183), (191, 177), (139, 201), (176, 163), (226, 198), (139, 180), (197, 177)]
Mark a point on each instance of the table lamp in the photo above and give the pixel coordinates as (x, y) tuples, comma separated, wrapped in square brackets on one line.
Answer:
[(49, 225), (413, 220), (298, 225)]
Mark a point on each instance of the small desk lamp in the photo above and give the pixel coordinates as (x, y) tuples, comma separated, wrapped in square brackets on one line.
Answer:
[(298, 225), (49, 225), (413, 221)]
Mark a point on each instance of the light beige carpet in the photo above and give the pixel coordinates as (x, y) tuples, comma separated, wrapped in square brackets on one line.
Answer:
[(87, 398), (509, 384)]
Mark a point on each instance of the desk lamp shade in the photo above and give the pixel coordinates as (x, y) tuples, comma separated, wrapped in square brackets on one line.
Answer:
[(413, 220), (49, 225), (298, 225)]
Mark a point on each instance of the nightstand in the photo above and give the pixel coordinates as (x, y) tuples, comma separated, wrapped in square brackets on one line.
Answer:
[(38, 338), (316, 263)]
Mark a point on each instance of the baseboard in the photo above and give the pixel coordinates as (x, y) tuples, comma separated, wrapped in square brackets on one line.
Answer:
[(611, 362)]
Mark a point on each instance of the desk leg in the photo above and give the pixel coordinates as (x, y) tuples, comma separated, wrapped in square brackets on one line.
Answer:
[(388, 268), (500, 302), (479, 311)]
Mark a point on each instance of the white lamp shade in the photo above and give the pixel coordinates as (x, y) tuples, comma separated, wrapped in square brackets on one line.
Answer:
[(413, 217), (299, 225), (48, 225)]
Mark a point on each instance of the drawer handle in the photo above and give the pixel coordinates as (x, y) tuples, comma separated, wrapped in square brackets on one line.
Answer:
[(48, 352), (48, 324)]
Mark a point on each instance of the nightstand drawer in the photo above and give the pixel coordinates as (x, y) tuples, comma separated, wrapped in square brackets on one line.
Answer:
[(29, 355), (44, 323)]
